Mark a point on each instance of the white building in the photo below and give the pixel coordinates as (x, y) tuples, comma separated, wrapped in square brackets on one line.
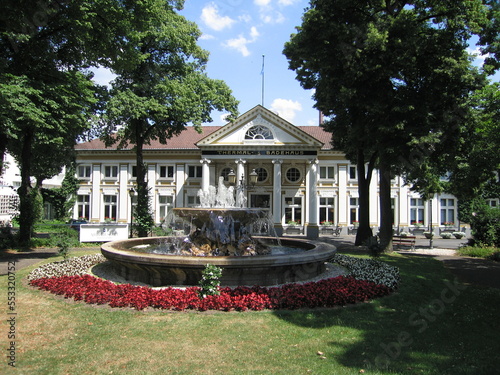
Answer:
[(10, 180), (300, 178)]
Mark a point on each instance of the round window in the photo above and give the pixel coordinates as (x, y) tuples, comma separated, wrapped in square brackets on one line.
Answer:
[(225, 172), (261, 174), (293, 174)]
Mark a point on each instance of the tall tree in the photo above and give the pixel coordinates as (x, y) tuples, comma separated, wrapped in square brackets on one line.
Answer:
[(46, 95), (393, 77), (161, 88)]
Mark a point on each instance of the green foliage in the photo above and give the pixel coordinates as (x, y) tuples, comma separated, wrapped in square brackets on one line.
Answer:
[(394, 82), (63, 243), (374, 247), (485, 225), (63, 198), (161, 87), (478, 251), (210, 281)]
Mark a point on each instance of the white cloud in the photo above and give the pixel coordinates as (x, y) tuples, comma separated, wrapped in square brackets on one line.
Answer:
[(206, 37), (240, 43), (477, 55), (286, 2), (267, 12), (254, 33), (286, 108), (211, 17), (272, 17)]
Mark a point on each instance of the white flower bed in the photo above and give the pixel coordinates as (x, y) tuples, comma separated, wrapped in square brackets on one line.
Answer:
[(370, 270), (71, 267)]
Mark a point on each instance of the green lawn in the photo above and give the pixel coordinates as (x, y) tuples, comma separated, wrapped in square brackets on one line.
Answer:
[(433, 325)]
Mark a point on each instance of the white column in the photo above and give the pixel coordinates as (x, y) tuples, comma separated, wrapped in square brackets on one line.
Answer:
[(205, 181), (123, 198), (277, 197), (240, 171), (403, 207), (151, 180), (95, 210), (180, 178), (374, 214), (240, 176), (343, 203), (312, 197)]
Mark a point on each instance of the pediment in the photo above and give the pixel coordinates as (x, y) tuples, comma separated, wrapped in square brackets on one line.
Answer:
[(260, 127)]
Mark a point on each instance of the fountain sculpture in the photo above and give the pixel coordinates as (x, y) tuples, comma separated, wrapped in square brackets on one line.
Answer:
[(219, 234)]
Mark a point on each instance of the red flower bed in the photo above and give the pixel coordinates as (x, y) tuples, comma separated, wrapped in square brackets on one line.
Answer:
[(338, 291)]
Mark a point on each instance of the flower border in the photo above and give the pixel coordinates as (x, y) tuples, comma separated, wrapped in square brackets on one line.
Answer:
[(68, 279)]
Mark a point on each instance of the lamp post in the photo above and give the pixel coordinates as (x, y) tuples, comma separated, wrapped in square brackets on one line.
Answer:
[(431, 196), (131, 193), (241, 185), (253, 177)]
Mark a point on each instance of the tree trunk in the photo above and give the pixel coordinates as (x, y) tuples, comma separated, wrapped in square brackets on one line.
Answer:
[(27, 216), (143, 217), (386, 216), (364, 231)]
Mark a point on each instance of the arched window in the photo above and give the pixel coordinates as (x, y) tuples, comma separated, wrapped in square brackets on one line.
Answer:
[(259, 132)]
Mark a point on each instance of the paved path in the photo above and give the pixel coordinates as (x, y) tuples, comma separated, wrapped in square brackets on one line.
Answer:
[(475, 271)]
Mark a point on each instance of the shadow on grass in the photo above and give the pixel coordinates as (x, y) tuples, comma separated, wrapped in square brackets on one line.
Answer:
[(432, 325)]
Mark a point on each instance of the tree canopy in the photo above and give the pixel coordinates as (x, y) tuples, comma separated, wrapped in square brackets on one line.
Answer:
[(393, 78), (48, 99), (161, 87)]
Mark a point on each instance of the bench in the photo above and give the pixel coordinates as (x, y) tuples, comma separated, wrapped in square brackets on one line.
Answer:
[(331, 230), (404, 241)]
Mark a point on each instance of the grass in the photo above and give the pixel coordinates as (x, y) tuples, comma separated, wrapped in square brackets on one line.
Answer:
[(477, 251), (432, 325)]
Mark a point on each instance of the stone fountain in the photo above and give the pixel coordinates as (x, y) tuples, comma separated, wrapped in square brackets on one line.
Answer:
[(219, 234)]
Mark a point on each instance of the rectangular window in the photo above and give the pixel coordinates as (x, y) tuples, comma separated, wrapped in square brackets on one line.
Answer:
[(165, 203), (83, 205), (327, 173), (195, 171), (84, 171), (134, 171), (493, 203), (166, 171), (110, 171), (447, 211), (416, 211), (326, 211), (353, 210), (353, 175), (110, 205), (193, 201), (293, 210)]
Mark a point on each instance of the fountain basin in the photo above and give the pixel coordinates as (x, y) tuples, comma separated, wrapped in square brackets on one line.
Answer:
[(264, 270)]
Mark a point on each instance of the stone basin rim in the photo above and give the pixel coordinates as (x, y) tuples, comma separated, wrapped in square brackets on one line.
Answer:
[(315, 251)]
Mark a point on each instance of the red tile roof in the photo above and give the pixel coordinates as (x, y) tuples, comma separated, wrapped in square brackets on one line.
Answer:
[(189, 137)]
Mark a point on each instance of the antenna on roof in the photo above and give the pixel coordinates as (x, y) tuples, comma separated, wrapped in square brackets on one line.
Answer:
[(262, 74)]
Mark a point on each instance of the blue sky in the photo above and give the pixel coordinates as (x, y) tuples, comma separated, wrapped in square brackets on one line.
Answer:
[(237, 33)]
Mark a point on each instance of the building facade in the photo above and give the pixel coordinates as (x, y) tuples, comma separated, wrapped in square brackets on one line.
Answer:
[(291, 171)]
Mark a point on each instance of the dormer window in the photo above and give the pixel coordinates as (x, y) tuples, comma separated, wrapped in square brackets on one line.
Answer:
[(259, 132)]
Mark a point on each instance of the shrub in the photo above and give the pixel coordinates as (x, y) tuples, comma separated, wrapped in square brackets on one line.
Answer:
[(446, 235), (477, 251), (485, 225), (374, 247), (210, 281)]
